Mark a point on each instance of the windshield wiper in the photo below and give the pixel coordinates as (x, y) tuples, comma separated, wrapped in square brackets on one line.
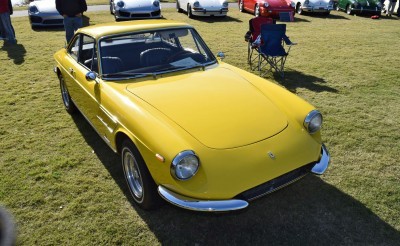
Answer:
[(129, 74)]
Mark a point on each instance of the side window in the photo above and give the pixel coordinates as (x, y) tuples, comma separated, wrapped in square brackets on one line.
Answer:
[(74, 48), (88, 55)]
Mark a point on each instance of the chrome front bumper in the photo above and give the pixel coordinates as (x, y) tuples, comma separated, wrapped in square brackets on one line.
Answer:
[(232, 204)]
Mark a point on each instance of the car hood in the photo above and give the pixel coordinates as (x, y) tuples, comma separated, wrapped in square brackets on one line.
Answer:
[(370, 3), (45, 6), (278, 3), (217, 107), (139, 5), (209, 3)]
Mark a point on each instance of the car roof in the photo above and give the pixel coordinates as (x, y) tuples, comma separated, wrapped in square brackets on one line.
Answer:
[(101, 30)]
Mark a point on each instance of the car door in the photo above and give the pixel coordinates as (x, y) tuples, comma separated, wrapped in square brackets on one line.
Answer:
[(80, 60)]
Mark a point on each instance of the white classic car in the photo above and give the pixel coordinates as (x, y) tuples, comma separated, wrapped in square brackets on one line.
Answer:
[(135, 9), (203, 7), (315, 6), (44, 13)]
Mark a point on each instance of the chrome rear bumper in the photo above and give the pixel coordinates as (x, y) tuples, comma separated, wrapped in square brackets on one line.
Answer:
[(231, 204)]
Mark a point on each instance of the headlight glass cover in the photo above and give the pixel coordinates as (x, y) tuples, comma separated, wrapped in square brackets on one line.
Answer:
[(196, 4), (156, 3), (266, 4), (313, 121), (33, 10), (225, 4), (120, 4), (292, 4), (185, 165)]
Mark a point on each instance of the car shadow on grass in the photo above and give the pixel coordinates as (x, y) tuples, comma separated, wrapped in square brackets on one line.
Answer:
[(15, 52), (308, 212), (295, 79), (332, 15)]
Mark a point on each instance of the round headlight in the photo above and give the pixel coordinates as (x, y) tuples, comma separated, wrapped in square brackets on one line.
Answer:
[(266, 4), (185, 165), (120, 4), (292, 4), (379, 4), (225, 4), (33, 10), (156, 3), (313, 121), (196, 4)]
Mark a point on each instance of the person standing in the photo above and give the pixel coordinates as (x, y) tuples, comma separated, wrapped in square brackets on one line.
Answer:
[(7, 30), (392, 4), (72, 11)]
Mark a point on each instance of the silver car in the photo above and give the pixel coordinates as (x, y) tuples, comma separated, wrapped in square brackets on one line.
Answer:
[(135, 9), (314, 6), (44, 13)]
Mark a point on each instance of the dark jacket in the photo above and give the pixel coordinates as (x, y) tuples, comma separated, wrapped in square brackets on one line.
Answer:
[(71, 7)]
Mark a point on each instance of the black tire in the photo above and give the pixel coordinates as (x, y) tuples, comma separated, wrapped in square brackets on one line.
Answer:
[(241, 7), (189, 11), (348, 10), (111, 8), (257, 10), (140, 183), (178, 7), (299, 10), (67, 101)]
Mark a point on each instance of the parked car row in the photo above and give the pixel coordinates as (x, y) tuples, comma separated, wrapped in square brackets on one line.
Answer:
[(44, 13)]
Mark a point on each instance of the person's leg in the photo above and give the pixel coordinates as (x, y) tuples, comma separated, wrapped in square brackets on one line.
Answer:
[(7, 26), (69, 28), (78, 23)]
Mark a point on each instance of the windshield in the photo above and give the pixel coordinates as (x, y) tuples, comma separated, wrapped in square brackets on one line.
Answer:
[(152, 53)]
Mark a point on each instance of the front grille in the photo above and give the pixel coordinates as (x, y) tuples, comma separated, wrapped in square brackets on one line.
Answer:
[(35, 19), (140, 15), (275, 183), (124, 14), (54, 22)]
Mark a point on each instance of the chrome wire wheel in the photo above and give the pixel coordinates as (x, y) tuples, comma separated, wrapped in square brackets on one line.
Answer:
[(348, 10), (68, 104), (132, 174)]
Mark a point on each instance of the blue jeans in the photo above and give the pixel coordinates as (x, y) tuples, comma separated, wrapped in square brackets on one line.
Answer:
[(7, 30), (71, 24)]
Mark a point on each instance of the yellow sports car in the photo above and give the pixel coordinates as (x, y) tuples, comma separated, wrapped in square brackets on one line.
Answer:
[(191, 129)]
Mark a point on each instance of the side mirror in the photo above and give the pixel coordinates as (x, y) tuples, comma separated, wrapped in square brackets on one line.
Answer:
[(221, 55), (90, 76)]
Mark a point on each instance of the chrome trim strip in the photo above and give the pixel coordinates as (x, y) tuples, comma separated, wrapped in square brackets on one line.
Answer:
[(321, 166), (204, 205)]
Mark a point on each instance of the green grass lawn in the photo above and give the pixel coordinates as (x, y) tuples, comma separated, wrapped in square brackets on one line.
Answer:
[(64, 186)]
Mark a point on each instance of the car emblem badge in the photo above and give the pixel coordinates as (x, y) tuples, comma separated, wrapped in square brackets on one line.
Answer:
[(271, 155)]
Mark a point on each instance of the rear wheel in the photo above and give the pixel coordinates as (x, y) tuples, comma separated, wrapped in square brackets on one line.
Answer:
[(189, 11), (299, 10), (241, 8), (257, 11), (348, 10), (178, 7), (67, 101), (111, 8), (140, 183)]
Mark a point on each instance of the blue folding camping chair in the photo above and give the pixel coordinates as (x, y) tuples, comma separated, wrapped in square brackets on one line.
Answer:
[(272, 52)]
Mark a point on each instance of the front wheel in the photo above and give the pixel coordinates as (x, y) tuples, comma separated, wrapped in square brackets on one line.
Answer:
[(140, 183), (67, 101)]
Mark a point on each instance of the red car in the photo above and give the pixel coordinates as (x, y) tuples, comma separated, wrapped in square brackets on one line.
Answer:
[(268, 8)]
